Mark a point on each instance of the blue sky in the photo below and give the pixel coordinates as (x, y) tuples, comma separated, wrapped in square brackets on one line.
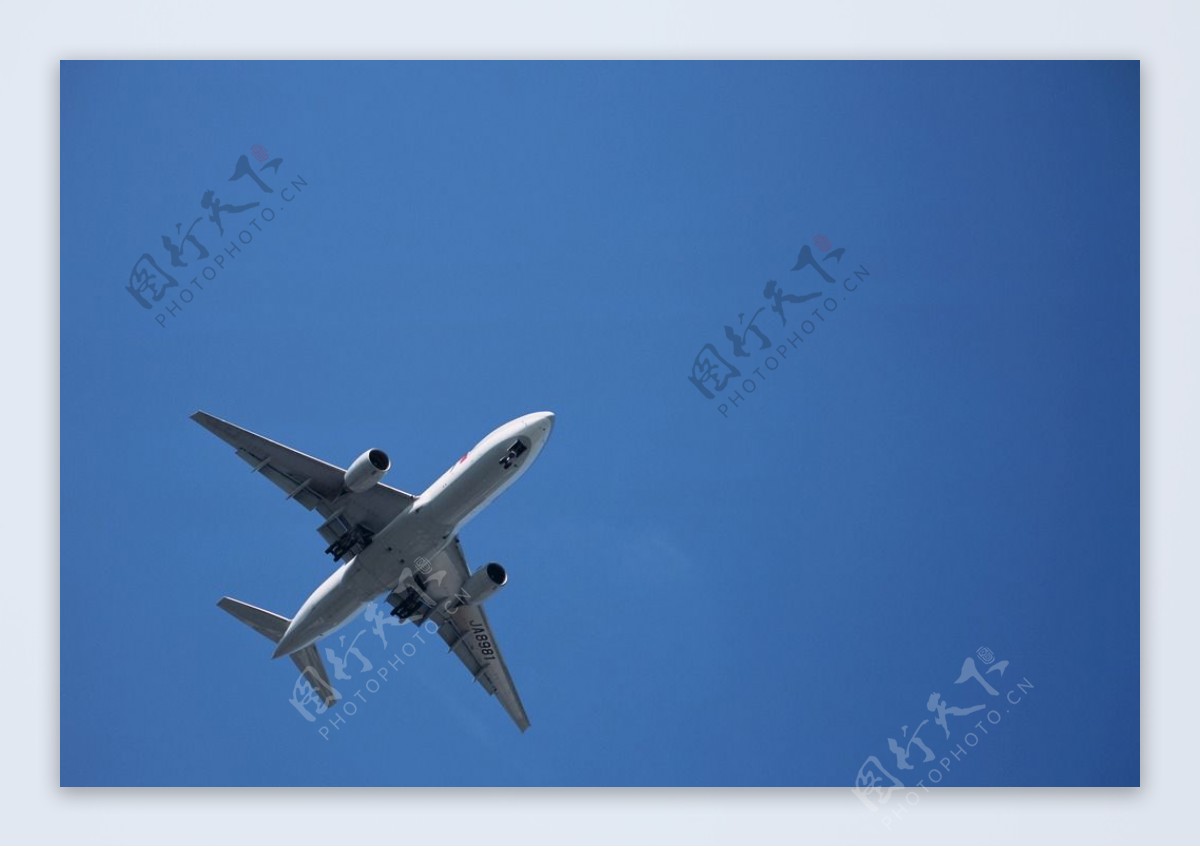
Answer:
[(948, 460)]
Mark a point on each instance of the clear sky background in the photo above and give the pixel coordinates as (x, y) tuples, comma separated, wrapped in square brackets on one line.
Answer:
[(948, 461)]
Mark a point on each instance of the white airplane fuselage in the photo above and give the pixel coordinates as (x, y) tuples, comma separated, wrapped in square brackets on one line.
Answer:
[(420, 532)]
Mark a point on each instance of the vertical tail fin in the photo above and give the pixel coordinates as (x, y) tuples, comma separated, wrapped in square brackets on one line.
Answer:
[(273, 626)]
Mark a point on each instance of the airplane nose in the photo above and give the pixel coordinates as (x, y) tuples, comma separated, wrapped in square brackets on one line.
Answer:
[(540, 420)]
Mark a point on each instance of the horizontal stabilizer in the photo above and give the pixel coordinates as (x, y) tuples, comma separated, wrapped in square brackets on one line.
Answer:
[(271, 625), (309, 662)]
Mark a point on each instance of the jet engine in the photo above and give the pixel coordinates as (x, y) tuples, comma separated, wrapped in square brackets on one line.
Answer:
[(481, 585), (367, 470)]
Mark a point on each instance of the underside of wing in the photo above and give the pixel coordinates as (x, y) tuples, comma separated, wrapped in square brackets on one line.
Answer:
[(351, 519), (468, 634)]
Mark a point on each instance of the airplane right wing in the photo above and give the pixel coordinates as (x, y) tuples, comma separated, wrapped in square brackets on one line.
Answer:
[(350, 519)]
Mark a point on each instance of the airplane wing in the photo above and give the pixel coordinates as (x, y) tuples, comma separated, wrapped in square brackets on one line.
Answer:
[(350, 519), (469, 635)]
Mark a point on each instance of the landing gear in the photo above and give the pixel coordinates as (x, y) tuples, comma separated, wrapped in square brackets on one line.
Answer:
[(354, 541), (411, 600), (405, 604)]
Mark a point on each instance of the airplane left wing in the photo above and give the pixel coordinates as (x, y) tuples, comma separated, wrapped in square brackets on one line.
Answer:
[(350, 519), (469, 636)]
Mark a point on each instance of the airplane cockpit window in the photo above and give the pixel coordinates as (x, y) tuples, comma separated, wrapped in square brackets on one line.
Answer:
[(514, 452)]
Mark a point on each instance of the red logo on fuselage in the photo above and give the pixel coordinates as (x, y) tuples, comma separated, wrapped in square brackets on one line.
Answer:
[(464, 457)]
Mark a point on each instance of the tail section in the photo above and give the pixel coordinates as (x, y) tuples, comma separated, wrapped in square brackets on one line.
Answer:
[(273, 626), (266, 623)]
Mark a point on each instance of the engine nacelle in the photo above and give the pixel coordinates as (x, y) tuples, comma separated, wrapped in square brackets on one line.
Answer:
[(367, 470), (481, 585)]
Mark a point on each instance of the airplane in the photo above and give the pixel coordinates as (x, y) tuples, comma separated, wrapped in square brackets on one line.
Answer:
[(395, 544)]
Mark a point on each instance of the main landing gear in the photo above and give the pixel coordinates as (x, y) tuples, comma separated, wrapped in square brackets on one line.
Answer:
[(411, 601)]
